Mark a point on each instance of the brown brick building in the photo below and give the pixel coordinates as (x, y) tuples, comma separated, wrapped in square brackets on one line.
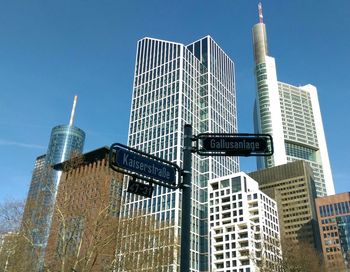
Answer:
[(333, 214), (84, 229)]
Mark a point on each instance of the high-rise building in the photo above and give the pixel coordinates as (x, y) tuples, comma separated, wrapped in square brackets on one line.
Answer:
[(333, 214), (34, 188), (65, 141), (244, 226), (174, 85), (291, 115), (292, 186)]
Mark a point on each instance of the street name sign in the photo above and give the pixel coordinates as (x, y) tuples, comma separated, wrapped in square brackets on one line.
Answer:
[(243, 144), (141, 165)]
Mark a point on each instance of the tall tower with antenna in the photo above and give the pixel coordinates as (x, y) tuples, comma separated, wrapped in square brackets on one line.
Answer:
[(65, 141), (291, 114)]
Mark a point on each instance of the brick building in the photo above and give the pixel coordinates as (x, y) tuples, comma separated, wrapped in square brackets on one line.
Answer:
[(85, 223), (334, 220)]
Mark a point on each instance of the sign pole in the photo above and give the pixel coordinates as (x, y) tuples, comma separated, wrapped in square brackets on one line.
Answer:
[(186, 201), (147, 167)]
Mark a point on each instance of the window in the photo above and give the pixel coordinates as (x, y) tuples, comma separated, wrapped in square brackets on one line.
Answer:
[(236, 184), (225, 183)]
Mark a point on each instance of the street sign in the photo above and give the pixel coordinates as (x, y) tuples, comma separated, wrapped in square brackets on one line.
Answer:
[(243, 144), (139, 188), (155, 170), (142, 165)]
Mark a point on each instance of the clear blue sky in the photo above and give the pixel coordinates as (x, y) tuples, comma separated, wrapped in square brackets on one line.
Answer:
[(52, 50)]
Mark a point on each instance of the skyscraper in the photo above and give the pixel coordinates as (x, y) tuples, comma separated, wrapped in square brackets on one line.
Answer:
[(174, 85), (291, 115), (65, 141), (34, 189)]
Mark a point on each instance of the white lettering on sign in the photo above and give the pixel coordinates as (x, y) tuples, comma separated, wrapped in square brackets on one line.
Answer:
[(151, 169), (223, 144)]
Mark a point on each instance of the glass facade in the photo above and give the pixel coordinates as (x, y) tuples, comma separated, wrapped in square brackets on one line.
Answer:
[(64, 141), (175, 85), (343, 223), (300, 152), (32, 210), (35, 182)]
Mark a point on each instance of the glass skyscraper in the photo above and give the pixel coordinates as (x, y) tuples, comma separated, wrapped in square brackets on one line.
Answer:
[(291, 115), (174, 85), (34, 188), (65, 141)]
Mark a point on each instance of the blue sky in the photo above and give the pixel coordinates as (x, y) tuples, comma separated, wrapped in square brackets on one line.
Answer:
[(52, 50)]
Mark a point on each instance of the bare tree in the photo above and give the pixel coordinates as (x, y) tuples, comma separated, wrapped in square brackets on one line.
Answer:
[(28, 247), (296, 257), (146, 244), (87, 232), (301, 257), (11, 213)]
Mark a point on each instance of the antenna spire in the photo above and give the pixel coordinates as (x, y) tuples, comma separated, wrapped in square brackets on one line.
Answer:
[(71, 120), (261, 17)]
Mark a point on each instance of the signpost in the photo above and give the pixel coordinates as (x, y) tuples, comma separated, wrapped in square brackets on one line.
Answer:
[(152, 169)]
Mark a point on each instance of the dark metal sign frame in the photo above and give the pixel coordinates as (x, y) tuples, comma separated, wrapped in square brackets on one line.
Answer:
[(247, 139), (146, 157)]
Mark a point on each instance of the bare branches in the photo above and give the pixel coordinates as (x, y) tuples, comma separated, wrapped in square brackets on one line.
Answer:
[(146, 244), (11, 213), (87, 233), (296, 257)]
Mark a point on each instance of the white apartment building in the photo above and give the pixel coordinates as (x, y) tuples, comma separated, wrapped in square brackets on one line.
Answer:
[(291, 115), (244, 226), (174, 85)]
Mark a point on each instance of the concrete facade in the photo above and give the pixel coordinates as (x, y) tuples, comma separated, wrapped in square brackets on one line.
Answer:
[(292, 186)]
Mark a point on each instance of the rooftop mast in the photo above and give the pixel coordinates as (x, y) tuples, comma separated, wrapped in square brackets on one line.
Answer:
[(71, 120), (261, 17)]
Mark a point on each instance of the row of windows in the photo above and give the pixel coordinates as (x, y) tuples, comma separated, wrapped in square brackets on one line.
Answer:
[(161, 74), (151, 53), (335, 209), (221, 65), (301, 152)]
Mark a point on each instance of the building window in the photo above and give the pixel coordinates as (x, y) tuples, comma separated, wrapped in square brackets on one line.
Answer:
[(236, 184)]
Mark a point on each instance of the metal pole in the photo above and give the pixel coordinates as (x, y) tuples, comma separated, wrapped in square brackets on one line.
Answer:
[(186, 200)]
